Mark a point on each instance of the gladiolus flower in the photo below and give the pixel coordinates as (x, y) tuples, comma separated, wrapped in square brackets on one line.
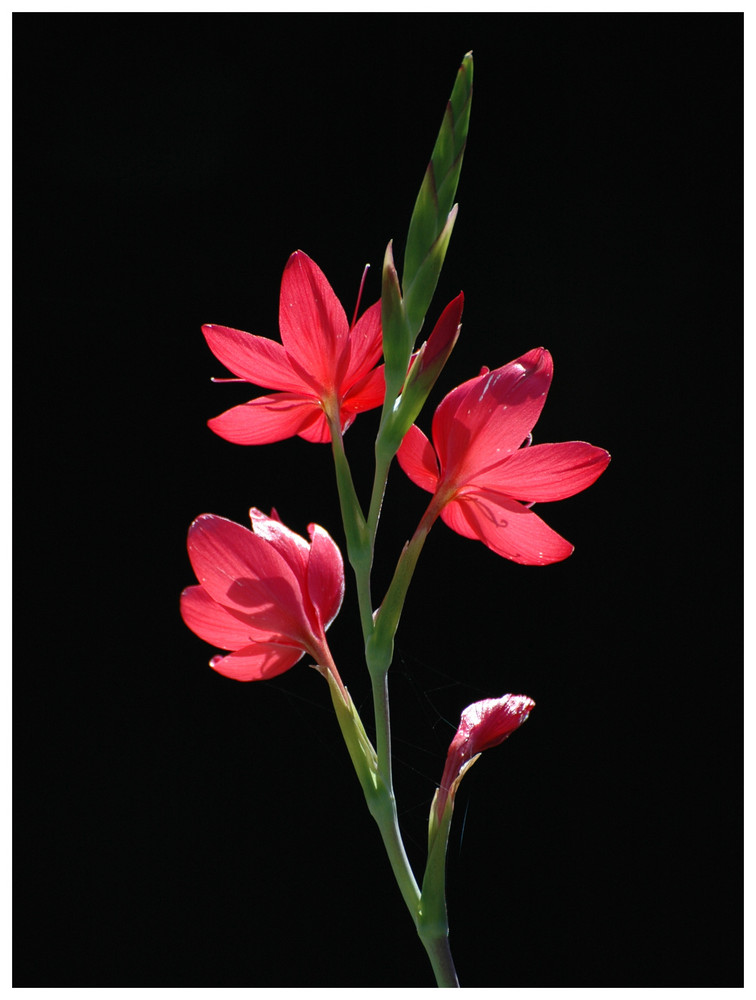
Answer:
[(483, 725), (323, 368), (482, 480), (267, 594)]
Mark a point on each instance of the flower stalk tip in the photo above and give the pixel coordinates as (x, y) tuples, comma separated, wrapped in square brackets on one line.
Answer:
[(435, 212)]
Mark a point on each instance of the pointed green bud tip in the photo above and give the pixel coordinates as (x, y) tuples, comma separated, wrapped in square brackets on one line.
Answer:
[(390, 276), (434, 213), (397, 340)]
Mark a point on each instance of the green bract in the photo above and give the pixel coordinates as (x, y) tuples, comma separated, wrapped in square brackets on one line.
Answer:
[(404, 308), (433, 216)]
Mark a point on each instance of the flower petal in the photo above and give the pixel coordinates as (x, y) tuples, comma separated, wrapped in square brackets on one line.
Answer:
[(325, 575), (314, 327), (267, 419), (258, 360), (214, 623), (434, 353), (418, 459), (317, 431), (365, 394), (365, 347), (483, 420), (546, 472), (294, 549), (245, 573), (487, 723), (258, 662), (506, 527)]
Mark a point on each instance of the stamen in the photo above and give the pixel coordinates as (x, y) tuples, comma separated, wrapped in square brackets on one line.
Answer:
[(228, 380), (359, 295)]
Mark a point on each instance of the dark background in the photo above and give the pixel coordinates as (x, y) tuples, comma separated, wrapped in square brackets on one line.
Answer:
[(174, 828)]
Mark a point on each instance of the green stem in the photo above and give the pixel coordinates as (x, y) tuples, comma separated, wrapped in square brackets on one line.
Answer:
[(382, 465), (375, 779), (381, 644), (439, 953), (383, 811), (360, 537), (432, 928), (435, 940), (382, 727)]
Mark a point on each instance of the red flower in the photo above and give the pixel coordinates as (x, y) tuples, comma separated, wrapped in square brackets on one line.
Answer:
[(483, 725), (323, 368), (266, 594), (479, 473)]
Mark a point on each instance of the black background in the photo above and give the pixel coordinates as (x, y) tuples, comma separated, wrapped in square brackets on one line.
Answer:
[(174, 828)]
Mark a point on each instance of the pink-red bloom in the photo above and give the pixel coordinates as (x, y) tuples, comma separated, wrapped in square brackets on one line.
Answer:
[(267, 594), (482, 479), (323, 369), (483, 725)]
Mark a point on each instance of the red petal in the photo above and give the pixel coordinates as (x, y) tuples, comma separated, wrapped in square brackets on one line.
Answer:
[(546, 471), (507, 528), (418, 459), (365, 347), (213, 623), (483, 725), (267, 419), (294, 549), (317, 431), (257, 662), (256, 359), (314, 327), (484, 419), (443, 338), (246, 574), (366, 394), (487, 723), (325, 575)]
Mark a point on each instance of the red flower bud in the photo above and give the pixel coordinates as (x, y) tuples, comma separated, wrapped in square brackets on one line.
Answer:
[(483, 725)]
